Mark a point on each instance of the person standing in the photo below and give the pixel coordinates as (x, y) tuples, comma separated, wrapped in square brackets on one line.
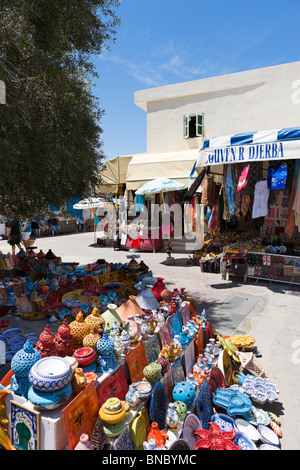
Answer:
[(25, 233), (14, 234)]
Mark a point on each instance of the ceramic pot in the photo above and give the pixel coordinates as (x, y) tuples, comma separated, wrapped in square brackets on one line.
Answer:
[(95, 319), (64, 341), (151, 445), (84, 443), (166, 296), (134, 329), (106, 360), (112, 411), (145, 329), (181, 409), (164, 362), (21, 364), (172, 418), (184, 391), (111, 315), (79, 381), (160, 436), (46, 345), (85, 356), (130, 307), (79, 329), (152, 373), (132, 396), (92, 338), (23, 305), (50, 374), (119, 346)]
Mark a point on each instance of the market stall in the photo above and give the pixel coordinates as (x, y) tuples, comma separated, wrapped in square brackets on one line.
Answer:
[(132, 366), (251, 193)]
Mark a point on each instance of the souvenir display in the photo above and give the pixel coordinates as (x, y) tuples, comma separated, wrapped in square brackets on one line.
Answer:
[(128, 370)]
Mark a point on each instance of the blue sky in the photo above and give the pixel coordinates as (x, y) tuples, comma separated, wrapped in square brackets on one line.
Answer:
[(161, 42)]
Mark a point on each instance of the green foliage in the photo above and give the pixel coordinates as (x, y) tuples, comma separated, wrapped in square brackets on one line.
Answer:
[(50, 133)]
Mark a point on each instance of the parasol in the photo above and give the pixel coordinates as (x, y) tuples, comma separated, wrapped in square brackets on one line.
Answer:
[(160, 185)]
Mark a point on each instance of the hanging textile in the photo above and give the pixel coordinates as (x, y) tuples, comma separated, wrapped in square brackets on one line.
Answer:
[(277, 177), (290, 226), (229, 189), (261, 196), (243, 179), (140, 204)]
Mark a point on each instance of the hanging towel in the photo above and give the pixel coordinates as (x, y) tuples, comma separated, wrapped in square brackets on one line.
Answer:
[(261, 196)]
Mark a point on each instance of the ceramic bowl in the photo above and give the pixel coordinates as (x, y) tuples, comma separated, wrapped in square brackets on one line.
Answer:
[(267, 436), (12, 332), (50, 373), (3, 338), (244, 442), (248, 429), (144, 389), (268, 447), (225, 422)]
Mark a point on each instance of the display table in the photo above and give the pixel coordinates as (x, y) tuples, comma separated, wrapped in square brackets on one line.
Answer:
[(273, 267)]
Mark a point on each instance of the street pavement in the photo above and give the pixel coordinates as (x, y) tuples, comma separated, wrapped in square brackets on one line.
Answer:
[(267, 311)]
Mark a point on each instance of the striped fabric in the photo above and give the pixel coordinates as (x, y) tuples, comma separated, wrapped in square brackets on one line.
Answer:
[(278, 135)]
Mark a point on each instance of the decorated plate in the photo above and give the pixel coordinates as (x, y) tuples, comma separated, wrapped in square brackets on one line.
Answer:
[(248, 429), (158, 405), (12, 332), (244, 442), (267, 436), (190, 424)]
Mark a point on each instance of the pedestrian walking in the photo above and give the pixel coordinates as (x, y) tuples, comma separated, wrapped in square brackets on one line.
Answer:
[(26, 232), (14, 234)]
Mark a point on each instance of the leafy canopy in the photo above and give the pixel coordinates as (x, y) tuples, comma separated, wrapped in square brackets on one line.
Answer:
[(50, 133)]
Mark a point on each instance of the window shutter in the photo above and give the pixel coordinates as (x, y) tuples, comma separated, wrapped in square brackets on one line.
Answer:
[(199, 125), (186, 126)]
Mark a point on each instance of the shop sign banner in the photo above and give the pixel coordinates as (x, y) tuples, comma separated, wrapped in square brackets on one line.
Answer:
[(249, 153)]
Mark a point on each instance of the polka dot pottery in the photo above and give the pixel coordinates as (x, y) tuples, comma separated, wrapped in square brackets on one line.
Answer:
[(107, 359), (92, 338), (21, 364), (24, 359), (95, 318), (185, 392), (79, 329), (50, 373)]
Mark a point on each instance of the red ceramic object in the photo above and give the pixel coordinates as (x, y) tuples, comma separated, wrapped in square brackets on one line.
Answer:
[(160, 436), (229, 445), (216, 439), (203, 444), (46, 345), (217, 447), (85, 356), (228, 435), (201, 433), (214, 428)]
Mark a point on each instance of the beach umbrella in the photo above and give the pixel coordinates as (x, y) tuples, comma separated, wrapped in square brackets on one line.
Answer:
[(160, 185)]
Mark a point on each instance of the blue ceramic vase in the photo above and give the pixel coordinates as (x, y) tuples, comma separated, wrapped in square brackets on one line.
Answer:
[(21, 364)]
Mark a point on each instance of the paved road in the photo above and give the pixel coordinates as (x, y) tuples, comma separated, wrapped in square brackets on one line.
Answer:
[(267, 311)]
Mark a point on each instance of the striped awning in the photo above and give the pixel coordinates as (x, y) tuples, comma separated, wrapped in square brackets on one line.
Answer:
[(280, 144)]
